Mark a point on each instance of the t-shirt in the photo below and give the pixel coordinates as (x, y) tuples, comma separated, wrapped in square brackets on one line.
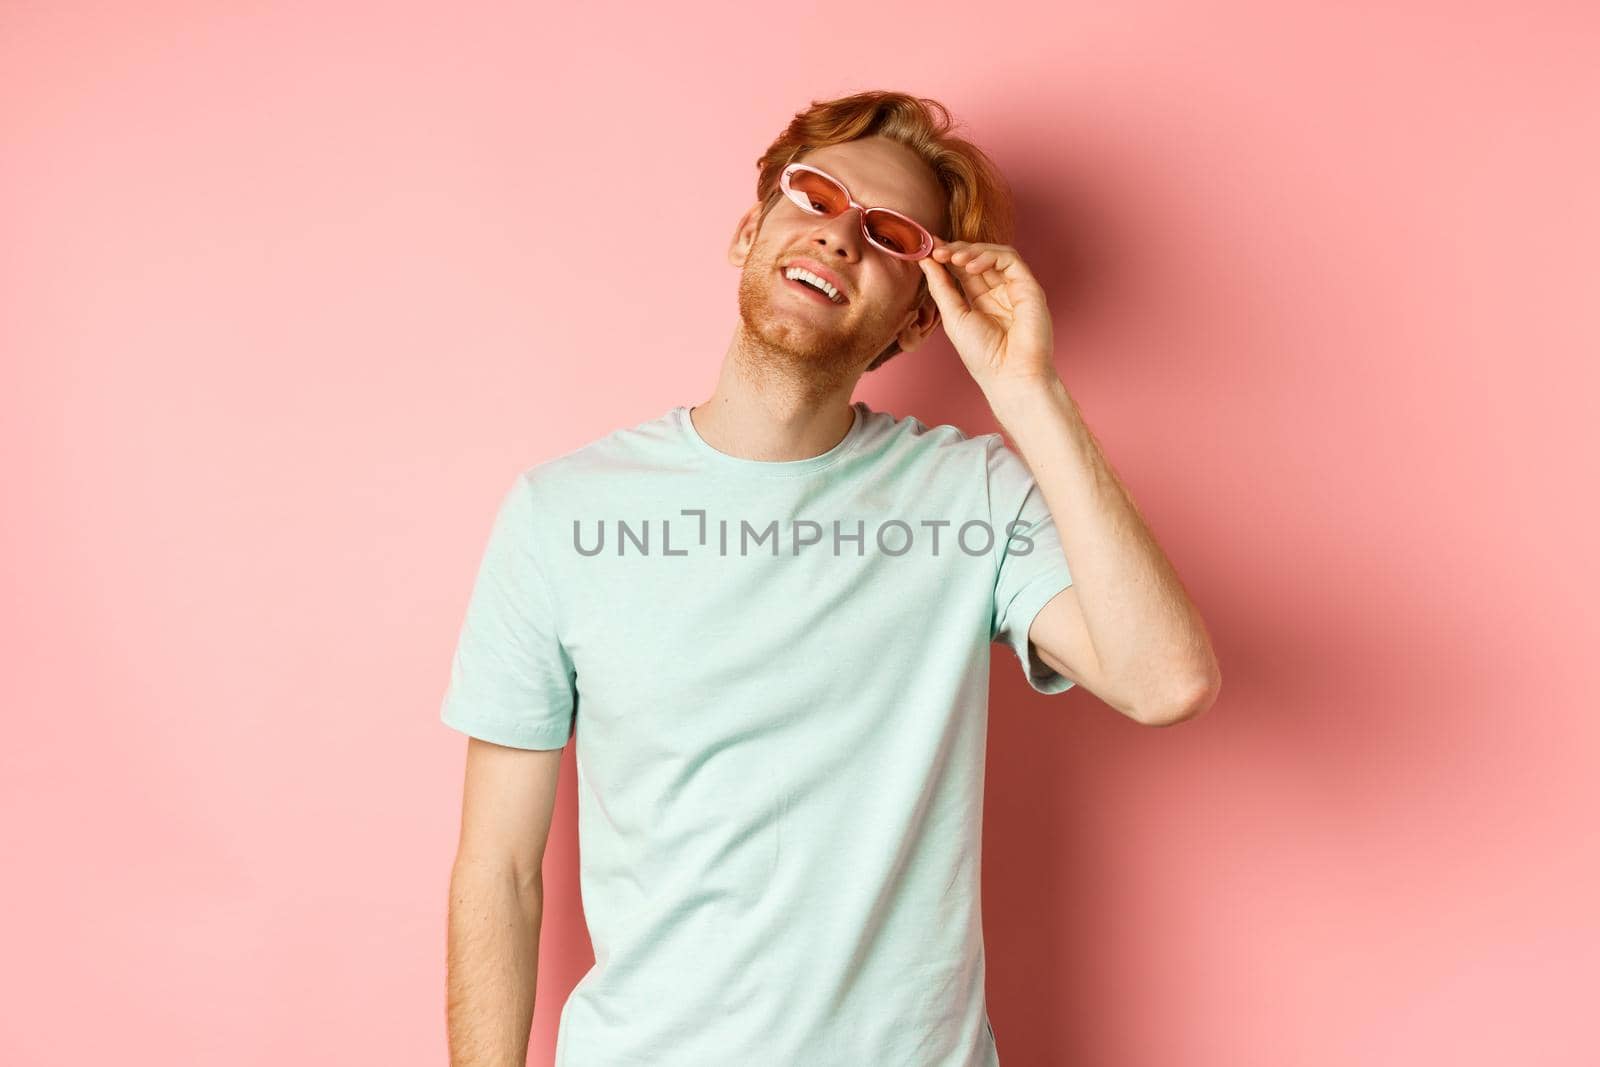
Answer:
[(777, 676)]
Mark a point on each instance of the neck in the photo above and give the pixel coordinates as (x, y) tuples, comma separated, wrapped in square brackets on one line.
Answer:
[(765, 412)]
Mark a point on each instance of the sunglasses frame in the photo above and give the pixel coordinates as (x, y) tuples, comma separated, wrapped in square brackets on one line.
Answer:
[(802, 201)]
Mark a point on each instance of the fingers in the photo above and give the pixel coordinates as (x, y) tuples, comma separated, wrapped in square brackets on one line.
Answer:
[(971, 264), (976, 257), (950, 299)]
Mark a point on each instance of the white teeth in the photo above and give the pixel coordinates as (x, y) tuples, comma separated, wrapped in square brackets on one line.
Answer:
[(802, 273)]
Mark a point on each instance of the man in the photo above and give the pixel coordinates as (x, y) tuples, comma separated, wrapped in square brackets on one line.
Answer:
[(765, 620)]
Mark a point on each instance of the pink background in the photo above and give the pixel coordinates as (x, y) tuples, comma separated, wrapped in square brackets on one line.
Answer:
[(289, 292)]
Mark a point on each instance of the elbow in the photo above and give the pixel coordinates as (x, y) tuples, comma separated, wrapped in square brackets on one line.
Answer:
[(1188, 702)]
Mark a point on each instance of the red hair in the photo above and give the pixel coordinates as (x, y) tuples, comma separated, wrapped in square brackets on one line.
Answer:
[(978, 204)]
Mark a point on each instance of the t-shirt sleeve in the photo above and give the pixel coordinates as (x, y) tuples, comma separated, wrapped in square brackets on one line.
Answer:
[(1031, 567), (511, 680)]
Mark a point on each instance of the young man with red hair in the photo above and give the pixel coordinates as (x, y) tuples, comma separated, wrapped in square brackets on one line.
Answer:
[(765, 619)]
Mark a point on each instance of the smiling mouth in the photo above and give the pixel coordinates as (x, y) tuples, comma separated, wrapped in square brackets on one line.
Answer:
[(811, 291)]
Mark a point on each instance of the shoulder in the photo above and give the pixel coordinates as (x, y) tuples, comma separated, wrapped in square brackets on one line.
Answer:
[(634, 448), (983, 461), (909, 436)]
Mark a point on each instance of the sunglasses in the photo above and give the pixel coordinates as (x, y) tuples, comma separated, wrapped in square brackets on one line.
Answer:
[(819, 193)]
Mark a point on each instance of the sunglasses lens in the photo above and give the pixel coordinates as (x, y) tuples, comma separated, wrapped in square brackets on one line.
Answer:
[(824, 196), (893, 232), (816, 194)]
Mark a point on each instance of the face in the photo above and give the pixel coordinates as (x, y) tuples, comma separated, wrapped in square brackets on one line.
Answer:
[(791, 325)]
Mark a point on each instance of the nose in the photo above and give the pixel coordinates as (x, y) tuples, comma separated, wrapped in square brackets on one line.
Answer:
[(841, 235)]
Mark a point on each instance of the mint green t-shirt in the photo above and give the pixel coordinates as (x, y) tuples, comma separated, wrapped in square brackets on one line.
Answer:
[(776, 675)]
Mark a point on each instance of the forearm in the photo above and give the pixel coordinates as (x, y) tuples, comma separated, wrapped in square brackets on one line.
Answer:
[(492, 964), (1145, 630)]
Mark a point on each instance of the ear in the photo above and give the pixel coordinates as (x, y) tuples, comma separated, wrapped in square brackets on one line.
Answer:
[(919, 322), (745, 235)]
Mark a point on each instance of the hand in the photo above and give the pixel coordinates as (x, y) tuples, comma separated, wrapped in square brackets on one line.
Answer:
[(996, 318)]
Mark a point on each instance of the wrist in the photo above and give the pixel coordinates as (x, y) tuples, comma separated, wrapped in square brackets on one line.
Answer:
[(1017, 401)]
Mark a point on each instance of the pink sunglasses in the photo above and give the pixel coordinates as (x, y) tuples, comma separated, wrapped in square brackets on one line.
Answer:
[(818, 193)]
